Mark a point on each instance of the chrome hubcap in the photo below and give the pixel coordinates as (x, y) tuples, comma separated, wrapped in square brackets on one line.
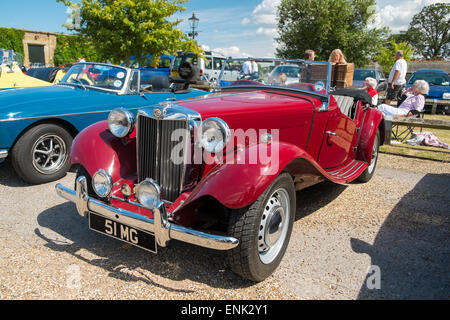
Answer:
[(273, 226), (49, 154)]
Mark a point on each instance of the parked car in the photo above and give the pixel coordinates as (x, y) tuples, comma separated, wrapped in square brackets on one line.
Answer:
[(37, 125), (145, 65), (439, 82), (203, 71), (360, 75), (11, 72), (221, 171), (286, 74)]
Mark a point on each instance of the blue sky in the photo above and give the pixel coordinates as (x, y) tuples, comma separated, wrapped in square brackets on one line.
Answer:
[(233, 27)]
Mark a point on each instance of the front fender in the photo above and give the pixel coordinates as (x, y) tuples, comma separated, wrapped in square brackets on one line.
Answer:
[(374, 119), (96, 148), (237, 185)]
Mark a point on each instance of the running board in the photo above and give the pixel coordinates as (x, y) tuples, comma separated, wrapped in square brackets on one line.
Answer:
[(347, 172)]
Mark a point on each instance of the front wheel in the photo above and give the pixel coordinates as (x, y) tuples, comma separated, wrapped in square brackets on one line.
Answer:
[(263, 230), (370, 170), (41, 154)]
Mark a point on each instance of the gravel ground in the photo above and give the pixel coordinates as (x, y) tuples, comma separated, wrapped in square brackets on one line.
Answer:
[(398, 223)]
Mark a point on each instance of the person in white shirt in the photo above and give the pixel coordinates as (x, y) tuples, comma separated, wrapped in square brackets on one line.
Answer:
[(397, 78), (254, 66), (247, 67)]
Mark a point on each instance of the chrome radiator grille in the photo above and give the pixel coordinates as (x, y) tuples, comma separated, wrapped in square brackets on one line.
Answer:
[(154, 149)]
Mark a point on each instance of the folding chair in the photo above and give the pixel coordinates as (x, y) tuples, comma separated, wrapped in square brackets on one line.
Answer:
[(404, 135)]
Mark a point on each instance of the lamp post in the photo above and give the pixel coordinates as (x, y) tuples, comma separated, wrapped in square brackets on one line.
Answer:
[(193, 22)]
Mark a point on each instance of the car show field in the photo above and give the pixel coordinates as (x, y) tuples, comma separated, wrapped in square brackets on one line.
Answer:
[(398, 221), (275, 152)]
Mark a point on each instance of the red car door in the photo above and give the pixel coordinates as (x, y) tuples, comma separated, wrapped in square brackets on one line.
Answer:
[(339, 139)]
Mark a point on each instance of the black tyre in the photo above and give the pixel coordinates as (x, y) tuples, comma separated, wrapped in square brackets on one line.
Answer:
[(263, 231), (41, 154), (370, 170)]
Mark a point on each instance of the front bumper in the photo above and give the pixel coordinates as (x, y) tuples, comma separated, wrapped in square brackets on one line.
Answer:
[(159, 225), (3, 153)]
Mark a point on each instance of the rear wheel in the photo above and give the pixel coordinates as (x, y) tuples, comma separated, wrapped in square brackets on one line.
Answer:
[(42, 153), (370, 170), (263, 230)]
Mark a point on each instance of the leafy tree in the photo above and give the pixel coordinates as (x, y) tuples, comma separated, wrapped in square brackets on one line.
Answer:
[(71, 47), (325, 25), (124, 28), (386, 55), (429, 32)]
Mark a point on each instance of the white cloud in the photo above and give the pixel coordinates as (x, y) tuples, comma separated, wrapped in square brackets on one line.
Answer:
[(245, 21), (265, 16), (266, 12), (205, 47), (233, 51), (272, 32), (398, 16)]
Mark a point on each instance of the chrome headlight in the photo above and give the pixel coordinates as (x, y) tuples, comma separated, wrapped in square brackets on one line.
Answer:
[(446, 95), (120, 122), (102, 183), (214, 134), (148, 193)]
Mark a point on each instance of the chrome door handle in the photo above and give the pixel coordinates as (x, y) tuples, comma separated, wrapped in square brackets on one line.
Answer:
[(331, 133)]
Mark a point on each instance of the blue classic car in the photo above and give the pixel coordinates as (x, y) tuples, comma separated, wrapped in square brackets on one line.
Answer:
[(439, 94), (38, 125)]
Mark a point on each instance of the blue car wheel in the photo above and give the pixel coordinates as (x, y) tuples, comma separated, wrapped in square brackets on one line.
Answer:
[(42, 153)]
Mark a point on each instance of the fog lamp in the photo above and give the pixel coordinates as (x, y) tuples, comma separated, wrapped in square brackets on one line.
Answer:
[(102, 183), (148, 193)]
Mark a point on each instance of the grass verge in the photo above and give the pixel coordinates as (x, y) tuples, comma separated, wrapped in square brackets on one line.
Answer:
[(424, 152)]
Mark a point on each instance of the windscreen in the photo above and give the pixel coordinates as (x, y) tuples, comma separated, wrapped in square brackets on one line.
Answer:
[(362, 74), (96, 75), (433, 78), (304, 75)]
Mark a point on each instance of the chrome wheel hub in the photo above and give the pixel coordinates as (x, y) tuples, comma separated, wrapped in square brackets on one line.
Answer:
[(49, 154), (273, 226)]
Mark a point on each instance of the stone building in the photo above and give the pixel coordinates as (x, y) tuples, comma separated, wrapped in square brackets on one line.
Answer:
[(39, 47)]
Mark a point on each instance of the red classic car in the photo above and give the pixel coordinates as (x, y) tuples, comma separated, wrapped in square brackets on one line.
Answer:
[(222, 170)]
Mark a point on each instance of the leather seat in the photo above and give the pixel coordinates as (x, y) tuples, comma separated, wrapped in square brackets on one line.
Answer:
[(345, 104)]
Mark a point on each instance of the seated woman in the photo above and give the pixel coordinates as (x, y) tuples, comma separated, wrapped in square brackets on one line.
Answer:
[(414, 101), (369, 85)]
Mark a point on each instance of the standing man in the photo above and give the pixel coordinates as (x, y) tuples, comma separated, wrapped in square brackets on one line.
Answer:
[(254, 69), (310, 55), (397, 78), (247, 67)]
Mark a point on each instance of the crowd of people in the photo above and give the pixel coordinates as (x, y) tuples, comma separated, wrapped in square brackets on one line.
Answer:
[(409, 102)]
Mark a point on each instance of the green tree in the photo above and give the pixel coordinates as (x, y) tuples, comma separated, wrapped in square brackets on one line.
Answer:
[(325, 25), (71, 47), (429, 32), (123, 28), (386, 55)]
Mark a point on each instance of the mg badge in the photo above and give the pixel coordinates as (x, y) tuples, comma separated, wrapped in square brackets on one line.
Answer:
[(157, 113)]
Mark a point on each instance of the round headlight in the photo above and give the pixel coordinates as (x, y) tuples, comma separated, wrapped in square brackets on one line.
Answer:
[(120, 122), (102, 183), (148, 193), (214, 134)]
